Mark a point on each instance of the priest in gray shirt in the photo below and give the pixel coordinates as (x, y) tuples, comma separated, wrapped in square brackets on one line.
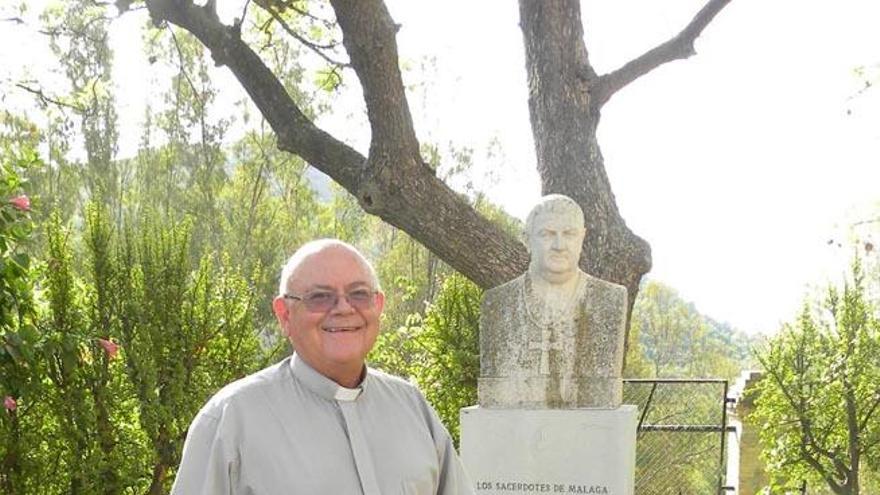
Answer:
[(321, 421)]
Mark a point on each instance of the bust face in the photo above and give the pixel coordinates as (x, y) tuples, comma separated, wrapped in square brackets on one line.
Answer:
[(555, 243)]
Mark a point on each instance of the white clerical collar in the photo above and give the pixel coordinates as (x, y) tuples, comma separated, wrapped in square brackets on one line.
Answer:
[(347, 394), (320, 384)]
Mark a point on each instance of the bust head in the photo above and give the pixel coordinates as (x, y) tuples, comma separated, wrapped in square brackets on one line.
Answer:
[(555, 232)]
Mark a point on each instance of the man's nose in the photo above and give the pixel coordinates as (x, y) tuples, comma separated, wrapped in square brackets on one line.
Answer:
[(342, 305), (557, 241)]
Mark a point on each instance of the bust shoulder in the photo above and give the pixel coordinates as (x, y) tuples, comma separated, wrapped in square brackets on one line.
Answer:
[(505, 290), (595, 284)]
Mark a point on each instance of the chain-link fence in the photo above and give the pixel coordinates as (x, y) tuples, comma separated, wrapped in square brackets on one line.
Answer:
[(680, 448)]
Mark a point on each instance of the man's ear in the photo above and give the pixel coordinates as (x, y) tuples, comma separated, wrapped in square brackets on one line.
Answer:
[(380, 301), (282, 313)]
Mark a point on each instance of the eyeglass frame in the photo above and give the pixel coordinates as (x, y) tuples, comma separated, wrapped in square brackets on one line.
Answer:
[(336, 297)]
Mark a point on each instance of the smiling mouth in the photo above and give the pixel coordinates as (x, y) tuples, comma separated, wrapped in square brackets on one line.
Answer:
[(340, 329)]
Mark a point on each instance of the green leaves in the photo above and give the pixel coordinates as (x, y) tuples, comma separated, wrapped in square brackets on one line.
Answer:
[(328, 79), (440, 351), (104, 422), (20, 383), (819, 402), (669, 338)]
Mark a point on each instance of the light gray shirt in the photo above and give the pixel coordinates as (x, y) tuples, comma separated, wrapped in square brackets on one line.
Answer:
[(290, 430)]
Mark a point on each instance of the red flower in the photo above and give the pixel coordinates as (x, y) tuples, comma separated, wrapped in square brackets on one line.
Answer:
[(110, 347), (21, 202), (9, 403)]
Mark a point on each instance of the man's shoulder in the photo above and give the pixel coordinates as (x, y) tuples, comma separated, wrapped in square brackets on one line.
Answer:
[(391, 381), (395, 388), (245, 389)]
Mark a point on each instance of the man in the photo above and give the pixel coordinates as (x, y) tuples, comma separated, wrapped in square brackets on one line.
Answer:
[(321, 422), (553, 337)]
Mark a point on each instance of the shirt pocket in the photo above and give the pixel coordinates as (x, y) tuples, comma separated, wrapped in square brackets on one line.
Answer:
[(417, 487)]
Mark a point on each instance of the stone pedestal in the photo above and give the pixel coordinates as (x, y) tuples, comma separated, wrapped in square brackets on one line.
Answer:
[(534, 451)]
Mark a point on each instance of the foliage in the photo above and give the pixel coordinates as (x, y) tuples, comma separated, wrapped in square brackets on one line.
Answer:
[(440, 352), (78, 35), (85, 388), (265, 210), (19, 361), (412, 275), (819, 401), (129, 345), (671, 339)]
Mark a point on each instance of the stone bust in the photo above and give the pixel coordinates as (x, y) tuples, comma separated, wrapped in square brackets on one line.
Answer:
[(553, 337)]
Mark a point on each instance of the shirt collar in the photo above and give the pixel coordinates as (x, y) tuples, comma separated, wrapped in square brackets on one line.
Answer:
[(320, 384)]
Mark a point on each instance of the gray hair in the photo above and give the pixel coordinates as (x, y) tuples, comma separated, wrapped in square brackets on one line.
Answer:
[(552, 203), (317, 246)]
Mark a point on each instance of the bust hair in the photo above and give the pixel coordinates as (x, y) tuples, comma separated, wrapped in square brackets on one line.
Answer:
[(316, 246), (554, 203)]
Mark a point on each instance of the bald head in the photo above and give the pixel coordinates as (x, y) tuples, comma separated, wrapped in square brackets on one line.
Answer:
[(311, 248)]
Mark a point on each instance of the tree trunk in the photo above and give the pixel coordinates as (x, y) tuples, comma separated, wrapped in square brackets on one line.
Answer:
[(157, 480), (564, 118), (108, 473)]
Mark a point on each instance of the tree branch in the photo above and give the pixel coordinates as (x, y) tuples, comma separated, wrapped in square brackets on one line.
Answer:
[(835, 486), (46, 99), (863, 222), (396, 184), (393, 182), (369, 37), (182, 67), (808, 443), (295, 132), (681, 46), (863, 424), (318, 49)]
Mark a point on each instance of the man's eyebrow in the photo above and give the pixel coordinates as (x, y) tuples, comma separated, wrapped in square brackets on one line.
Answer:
[(320, 287), (359, 283)]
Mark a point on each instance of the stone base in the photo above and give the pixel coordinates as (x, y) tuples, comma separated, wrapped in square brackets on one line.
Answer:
[(572, 451), (546, 392)]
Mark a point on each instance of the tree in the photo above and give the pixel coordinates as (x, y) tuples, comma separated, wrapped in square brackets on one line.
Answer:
[(820, 399), (78, 37), (677, 341), (393, 181)]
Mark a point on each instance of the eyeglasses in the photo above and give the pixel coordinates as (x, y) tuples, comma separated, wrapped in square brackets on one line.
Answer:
[(321, 301)]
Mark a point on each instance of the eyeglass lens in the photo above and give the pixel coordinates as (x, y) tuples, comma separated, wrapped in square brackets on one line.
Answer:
[(325, 301)]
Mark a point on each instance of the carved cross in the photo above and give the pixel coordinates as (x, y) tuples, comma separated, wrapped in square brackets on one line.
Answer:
[(545, 346)]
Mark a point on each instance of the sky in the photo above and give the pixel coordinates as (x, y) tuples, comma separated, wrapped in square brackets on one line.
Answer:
[(737, 165)]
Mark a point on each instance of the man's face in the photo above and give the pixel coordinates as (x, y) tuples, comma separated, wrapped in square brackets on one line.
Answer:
[(334, 342), (555, 245)]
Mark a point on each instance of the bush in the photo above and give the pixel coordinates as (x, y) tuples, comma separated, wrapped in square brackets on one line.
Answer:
[(441, 351)]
